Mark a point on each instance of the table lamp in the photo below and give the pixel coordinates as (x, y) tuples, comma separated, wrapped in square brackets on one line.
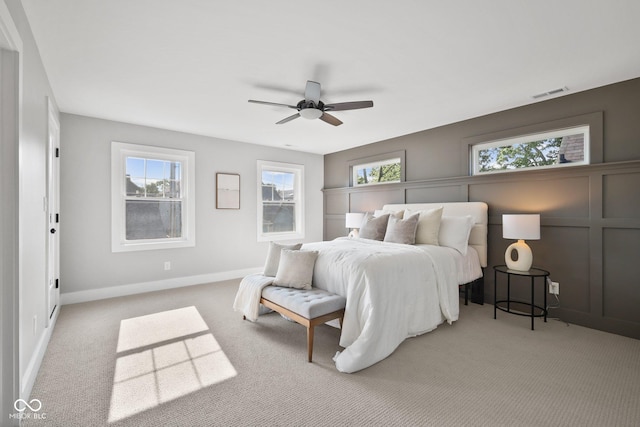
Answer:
[(520, 227), (354, 221)]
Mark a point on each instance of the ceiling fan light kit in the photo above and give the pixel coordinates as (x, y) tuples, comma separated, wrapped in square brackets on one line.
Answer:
[(311, 113), (312, 108)]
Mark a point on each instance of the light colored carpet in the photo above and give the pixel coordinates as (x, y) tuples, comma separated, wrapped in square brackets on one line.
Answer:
[(182, 357)]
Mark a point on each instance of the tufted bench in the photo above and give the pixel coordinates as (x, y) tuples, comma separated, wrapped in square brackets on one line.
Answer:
[(306, 307)]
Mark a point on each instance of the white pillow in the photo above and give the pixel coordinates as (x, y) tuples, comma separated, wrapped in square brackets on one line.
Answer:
[(428, 225), (273, 257), (295, 269), (454, 232)]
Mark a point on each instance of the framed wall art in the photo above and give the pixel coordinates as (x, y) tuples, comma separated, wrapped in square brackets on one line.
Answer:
[(227, 191)]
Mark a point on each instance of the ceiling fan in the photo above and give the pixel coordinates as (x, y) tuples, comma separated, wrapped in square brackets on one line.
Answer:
[(312, 108)]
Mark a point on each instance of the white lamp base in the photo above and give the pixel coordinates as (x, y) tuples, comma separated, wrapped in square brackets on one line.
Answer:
[(525, 256), (354, 233)]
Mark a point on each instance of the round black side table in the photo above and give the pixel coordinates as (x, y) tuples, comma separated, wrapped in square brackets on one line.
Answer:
[(535, 310)]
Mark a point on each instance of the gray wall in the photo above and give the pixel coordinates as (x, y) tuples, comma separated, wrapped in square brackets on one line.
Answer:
[(590, 214), (226, 242)]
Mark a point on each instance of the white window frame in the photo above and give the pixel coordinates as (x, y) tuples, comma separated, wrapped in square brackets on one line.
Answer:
[(298, 171), (119, 152), (583, 129)]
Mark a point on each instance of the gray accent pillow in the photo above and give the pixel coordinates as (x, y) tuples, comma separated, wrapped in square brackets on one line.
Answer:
[(402, 230), (295, 269), (374, 227), (273, 257)]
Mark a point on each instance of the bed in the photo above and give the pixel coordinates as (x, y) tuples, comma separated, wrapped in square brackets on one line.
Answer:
[(395, 291)]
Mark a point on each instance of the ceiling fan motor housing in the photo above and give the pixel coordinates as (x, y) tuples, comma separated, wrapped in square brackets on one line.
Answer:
[(309, 110)]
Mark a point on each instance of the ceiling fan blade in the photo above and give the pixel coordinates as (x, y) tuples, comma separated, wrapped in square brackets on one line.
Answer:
[(273, 103), (288, 119), (312, 92), (342, 106), (330, 119)]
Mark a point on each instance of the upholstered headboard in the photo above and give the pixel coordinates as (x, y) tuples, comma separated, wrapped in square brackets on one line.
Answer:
[(477, 210)]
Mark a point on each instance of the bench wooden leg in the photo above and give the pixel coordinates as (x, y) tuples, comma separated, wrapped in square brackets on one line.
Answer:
[(308, 323), (310, 341)]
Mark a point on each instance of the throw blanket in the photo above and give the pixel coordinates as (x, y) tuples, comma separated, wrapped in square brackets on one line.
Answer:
[(248, 296)]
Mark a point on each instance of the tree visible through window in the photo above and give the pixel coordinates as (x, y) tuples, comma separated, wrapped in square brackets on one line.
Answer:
[(378, 172), (535, 151)]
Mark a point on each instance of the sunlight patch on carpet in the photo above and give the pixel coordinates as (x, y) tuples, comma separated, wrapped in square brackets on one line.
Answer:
[(164, 356)]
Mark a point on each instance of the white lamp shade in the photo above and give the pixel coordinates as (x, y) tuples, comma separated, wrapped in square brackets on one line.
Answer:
[(354, 220), (521, 226)]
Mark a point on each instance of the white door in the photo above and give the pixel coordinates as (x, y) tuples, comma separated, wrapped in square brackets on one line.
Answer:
[(53, 214)]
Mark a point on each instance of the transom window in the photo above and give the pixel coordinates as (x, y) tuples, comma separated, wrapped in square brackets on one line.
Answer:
[(152, 198), (378, 172), (280, 201), (558, 148)]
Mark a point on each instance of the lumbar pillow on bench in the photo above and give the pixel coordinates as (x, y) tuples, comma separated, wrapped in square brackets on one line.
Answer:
[(273, 257), (295, 269)]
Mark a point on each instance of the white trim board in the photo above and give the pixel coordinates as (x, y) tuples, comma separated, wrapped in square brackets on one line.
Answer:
[(31, 372), (156, 285), (9, 34)]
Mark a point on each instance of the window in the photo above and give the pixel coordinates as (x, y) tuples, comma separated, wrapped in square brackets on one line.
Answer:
[(379, 169), (558, 148), (380, 172), (152, 198), (280, 201)]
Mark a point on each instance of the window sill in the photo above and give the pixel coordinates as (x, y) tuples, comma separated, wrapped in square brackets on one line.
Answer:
[(151, 246)]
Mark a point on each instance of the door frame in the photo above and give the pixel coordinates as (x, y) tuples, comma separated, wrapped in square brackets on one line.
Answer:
[(10, 124), (52, 290)]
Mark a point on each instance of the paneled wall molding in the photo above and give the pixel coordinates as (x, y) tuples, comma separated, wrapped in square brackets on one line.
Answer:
[(590, 218), (595, 174)]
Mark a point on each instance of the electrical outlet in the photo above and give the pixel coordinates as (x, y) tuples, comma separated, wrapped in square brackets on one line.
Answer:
[(554, 288), (167, 265)]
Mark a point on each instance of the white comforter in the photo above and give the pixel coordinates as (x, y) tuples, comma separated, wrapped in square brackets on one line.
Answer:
[(393, 292)]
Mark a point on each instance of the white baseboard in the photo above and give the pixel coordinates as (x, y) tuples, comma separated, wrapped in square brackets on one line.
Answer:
[(30, 374), (156, 285)]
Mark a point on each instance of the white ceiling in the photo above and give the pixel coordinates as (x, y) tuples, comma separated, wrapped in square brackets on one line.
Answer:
[(192, 65)]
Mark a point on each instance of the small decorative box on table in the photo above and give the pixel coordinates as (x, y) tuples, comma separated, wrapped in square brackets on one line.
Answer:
[(506, 305)]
